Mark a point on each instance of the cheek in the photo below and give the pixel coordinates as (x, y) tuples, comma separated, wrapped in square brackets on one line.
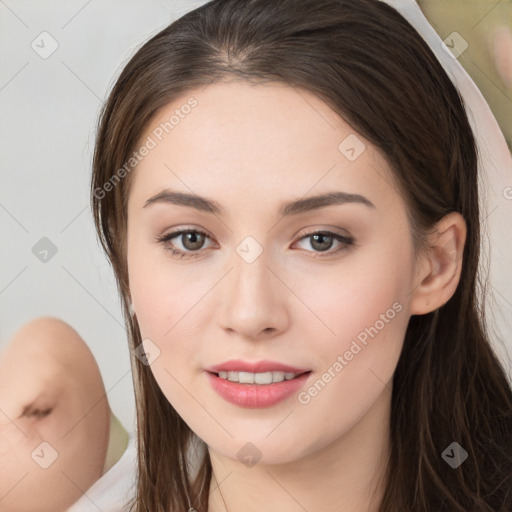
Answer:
[(364, 307), (163, 296), (154, 291), (358, 293), (169, 299)]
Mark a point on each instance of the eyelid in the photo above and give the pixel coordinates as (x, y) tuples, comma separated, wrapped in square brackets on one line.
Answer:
[(305, 232), (346, 239), (165, 239)]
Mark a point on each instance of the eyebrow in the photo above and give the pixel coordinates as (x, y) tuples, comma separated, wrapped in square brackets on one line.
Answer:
[(290, 208)]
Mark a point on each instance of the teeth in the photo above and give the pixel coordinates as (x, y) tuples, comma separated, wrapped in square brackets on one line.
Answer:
[(246, 378), (278, 376), (257, 378), (263, 378)]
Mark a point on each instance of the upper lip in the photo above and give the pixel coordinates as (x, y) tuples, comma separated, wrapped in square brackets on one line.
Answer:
[(256, 367)]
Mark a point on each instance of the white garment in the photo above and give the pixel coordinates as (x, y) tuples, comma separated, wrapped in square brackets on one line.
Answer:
[(113, 491)]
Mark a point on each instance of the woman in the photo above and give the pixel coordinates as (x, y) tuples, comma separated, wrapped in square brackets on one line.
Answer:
[(236, 144)]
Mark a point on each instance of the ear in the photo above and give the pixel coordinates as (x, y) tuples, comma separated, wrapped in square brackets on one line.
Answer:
[(438, 269)]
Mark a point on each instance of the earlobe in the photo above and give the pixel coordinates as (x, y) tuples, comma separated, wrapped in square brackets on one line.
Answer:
[(439, 268)]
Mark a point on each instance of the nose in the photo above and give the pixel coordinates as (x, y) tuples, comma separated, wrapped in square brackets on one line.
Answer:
[(253, 300)]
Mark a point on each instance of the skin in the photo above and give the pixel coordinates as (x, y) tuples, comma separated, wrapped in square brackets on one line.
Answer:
[(47, 366), (251, 148)]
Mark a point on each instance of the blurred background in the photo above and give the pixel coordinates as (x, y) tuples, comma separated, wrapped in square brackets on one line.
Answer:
[(58, 60)]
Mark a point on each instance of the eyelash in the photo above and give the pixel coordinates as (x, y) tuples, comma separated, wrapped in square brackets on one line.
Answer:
[(164, 240)]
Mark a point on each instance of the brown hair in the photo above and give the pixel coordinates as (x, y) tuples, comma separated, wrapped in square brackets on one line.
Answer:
[(371, 67)]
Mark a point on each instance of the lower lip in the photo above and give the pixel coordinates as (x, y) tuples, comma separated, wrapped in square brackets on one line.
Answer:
[(256, 396)]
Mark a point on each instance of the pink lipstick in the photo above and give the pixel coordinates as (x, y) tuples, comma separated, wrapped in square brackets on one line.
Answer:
[(256, 385)]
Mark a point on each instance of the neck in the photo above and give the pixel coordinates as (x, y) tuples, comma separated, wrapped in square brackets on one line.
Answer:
[(348, 475)]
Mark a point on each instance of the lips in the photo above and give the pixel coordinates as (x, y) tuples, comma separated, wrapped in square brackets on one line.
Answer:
[(265, 383), (237, 365)]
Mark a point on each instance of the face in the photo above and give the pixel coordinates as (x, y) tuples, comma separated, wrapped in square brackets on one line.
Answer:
[(320, 287)]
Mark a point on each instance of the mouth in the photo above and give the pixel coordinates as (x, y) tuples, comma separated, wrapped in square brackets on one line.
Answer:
[(256, 384), (261, 378)]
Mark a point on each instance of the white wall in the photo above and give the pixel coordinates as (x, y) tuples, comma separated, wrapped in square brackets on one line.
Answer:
[(49, 107)]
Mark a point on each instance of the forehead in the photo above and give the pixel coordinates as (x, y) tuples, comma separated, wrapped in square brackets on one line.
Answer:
[(269, 140)]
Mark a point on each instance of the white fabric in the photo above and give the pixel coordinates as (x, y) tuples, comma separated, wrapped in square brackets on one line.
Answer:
[(113, 491)]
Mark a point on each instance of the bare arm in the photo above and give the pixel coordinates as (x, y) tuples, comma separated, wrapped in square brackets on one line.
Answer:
[(54, 419)]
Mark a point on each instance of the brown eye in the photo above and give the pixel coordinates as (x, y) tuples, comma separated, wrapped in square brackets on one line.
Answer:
[(192, 240), (321, 242)]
